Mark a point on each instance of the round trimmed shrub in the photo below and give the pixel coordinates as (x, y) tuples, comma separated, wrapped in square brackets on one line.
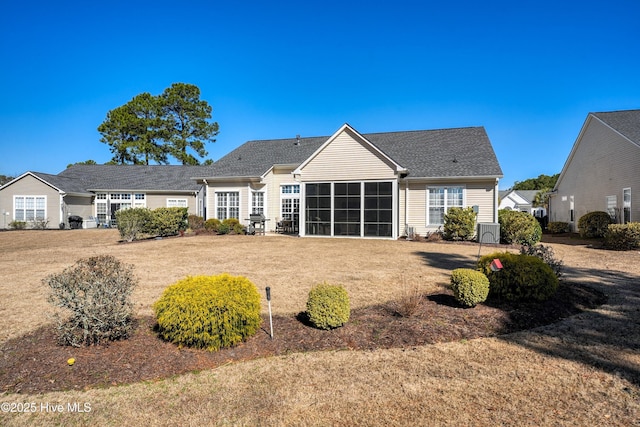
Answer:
[(522, 277), (470, 287), (210, 312), (555, 227), (594, 224), (328, 306), (519, 227), (623, 237)]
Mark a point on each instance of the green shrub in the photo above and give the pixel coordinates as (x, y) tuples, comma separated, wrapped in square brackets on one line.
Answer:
[(519, 228), (134, 223), (210, 312), (558, 227), (168, 221), (594, 224), (522, 278), (17, 225), (459, 224), (233, 225), (470, 287), (94, 295), (546, 254), (212, 224), (195, 222), (623, 237), (224, 229), (328, 306)]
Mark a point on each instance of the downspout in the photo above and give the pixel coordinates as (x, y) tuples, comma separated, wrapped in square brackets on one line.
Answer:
[(62, 219), (205, 199), (495, 202)]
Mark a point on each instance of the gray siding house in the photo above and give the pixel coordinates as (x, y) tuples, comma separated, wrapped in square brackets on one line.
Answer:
[(602, 172), (347, 184), (98, 191)]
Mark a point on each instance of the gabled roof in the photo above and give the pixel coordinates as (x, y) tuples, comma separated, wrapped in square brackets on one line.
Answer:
[(61, 184), (527, 195), (461, 152), (135, 177), (627, 123)]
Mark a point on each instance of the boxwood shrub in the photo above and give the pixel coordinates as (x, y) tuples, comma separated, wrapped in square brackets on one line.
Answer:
[(522, 278), (518, 227), (470, 287), (328, 306), (623, 237), (594, 224)]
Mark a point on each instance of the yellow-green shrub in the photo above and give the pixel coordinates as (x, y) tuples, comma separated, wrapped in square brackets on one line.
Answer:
[(328, 306), (522, 277), (558, 227), (212, 224), (594, 224), (623, 237), (470, 287), (209, 312)]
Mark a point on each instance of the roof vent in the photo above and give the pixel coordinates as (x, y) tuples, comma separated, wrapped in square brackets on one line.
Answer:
[(297, 140)]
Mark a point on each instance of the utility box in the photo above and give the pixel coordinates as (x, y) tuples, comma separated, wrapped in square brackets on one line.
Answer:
[(488, 232)]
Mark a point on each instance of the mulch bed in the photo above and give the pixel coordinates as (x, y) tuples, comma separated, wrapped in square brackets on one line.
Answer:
[(36, 364)]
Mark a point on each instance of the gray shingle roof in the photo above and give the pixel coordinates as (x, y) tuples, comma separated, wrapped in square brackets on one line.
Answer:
[(135, 177), (462, 152), (66, 184), (626, 122)]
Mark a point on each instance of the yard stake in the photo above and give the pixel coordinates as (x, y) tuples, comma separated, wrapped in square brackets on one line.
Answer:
[(270, 318)]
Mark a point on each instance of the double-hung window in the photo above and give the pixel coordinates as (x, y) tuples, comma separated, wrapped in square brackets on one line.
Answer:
[(439, 200)]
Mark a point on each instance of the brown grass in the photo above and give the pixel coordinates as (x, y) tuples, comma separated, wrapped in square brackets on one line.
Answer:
[(582, 371)]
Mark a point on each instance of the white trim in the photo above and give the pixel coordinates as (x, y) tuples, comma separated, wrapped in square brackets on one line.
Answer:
[(177, 205)]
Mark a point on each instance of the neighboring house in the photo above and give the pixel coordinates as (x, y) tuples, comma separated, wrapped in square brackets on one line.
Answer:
[(602, 172), (521, 200), (359, 185), (98, 191)]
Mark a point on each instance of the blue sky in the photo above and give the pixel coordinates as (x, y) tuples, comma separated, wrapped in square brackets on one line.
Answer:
[(529, 72)]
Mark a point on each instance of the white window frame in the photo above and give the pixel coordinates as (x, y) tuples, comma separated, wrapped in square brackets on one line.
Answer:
[(257, 202), (289, 191), (175, 202), (227, 205), (446, 202), (612, 207), (35, 205)]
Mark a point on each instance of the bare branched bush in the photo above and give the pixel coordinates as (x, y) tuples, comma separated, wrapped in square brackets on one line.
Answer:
[(93, 301), (546, 254)]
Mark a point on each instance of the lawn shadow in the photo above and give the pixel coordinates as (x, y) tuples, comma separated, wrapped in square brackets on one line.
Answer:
[(606, 338), (447, 261)]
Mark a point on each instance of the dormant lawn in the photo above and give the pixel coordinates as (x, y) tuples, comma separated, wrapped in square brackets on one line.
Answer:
[(584, 370)]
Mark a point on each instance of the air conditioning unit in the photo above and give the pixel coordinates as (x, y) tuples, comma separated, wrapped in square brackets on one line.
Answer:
[(488, 232)]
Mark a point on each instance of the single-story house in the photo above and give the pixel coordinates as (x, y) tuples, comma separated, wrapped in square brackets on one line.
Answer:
[(602, 172), (358, 185), (97, 191), (347, 184), (521, 200)]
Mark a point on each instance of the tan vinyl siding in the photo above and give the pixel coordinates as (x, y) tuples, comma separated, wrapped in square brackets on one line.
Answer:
[(274, 179), (30, 186), (159, 200), (602, 164), (347, 159), (80, 206), (481, 194)]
